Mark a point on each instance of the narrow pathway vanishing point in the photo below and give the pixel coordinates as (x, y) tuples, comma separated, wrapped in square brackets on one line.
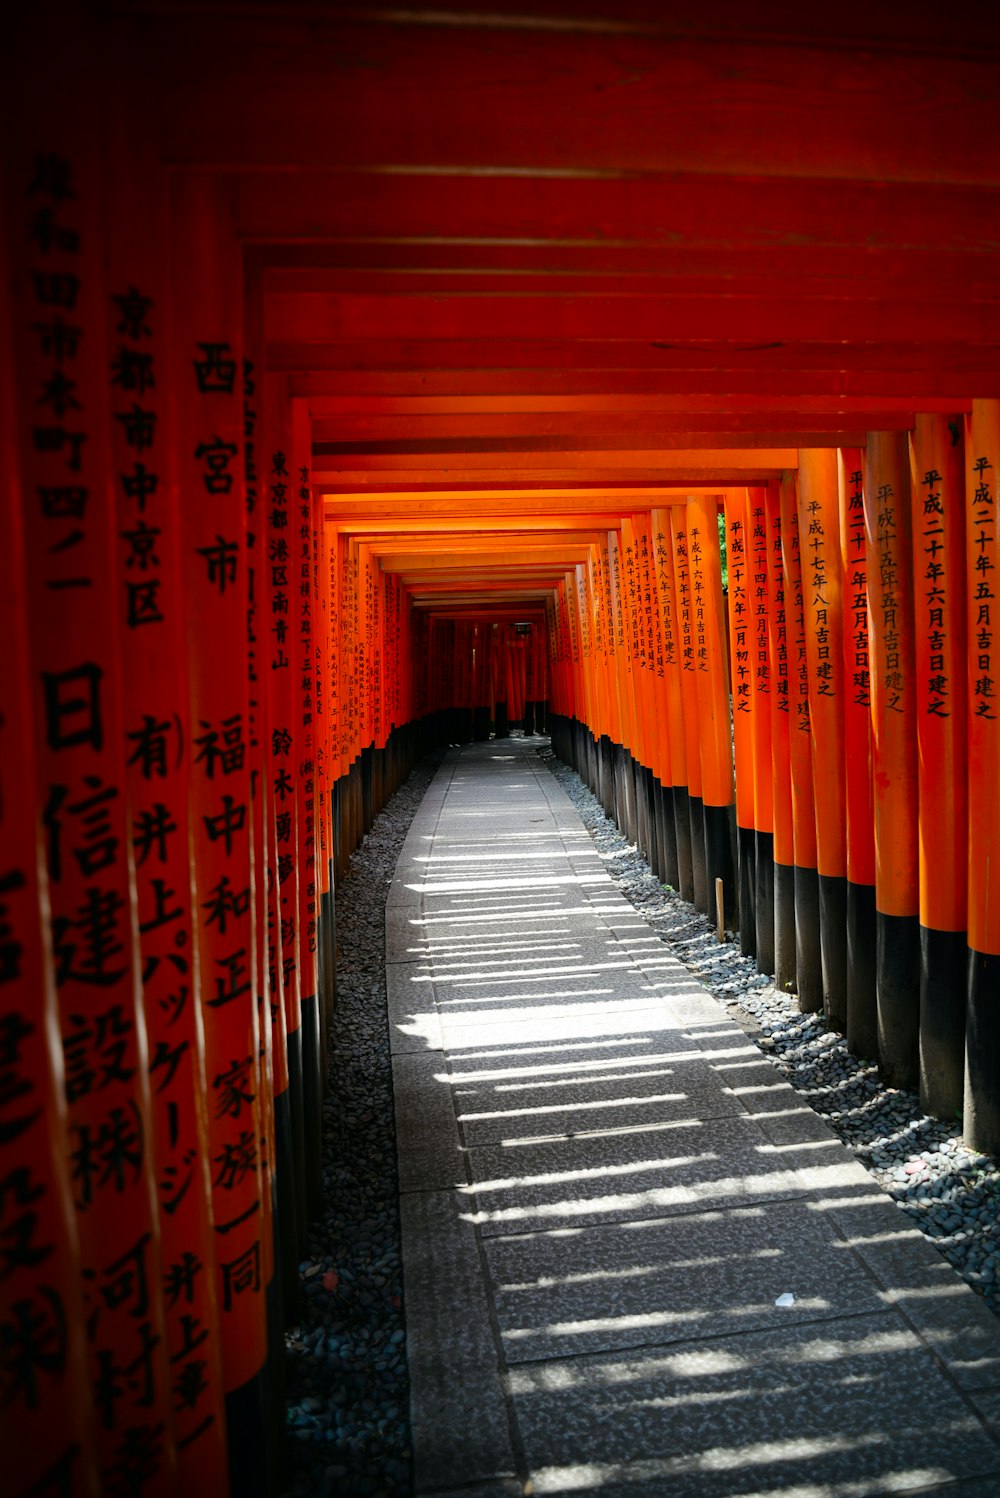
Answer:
[(634, 1260)]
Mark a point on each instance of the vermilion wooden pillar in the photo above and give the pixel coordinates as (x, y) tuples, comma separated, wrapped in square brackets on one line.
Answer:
[(151, 607), (763, 772), (819, 541), (689, 693), (862, 1011), (59, 319), (207, 320), (741, 667), (663, 566), (47, 1409), (937, 489), (302, 579), (894, 754), (281, 606), (808, 961), (781, 730), (715, 730), (982, 1045)]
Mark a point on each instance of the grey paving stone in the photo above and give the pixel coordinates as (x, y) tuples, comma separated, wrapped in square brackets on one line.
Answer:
[(404, 933), (458, 1412), (644, 1173), (706, 1275), (527, 1029), (429, 1152), (817, 1410), (409, 991), (534, 1106)]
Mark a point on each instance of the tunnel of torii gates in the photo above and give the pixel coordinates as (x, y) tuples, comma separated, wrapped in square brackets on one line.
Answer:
[(375, 381)]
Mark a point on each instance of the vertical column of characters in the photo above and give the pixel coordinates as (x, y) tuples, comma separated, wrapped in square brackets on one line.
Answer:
[(655, 664), (676, 798), (808, 961), (277, 1161), (888, 530), (819, 539), (151, 610), (597, 623), (763, 771), (207, 364), (324, 783), (67, 478), (47, 1419), (646, 758), (713, 697), (741, 670), (306, 810), (595, 595), (781, 773), (367, 706), (257, 736), (285, 744), (982, 553), (862, 1029), (624, 793), (584, 686), (689, 693), (608, 637), (627, 585), (937, 495), (552, 633), (572, 636), (348, 703)]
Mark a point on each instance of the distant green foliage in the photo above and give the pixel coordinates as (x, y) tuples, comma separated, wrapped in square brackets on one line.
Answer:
[(722, 550)]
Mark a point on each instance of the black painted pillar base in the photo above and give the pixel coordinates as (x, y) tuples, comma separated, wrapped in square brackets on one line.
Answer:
[(808, 952), (246, 1429), (529, 719), (649, 796), (312, 1105), (328, 936), (747, 853), (275, 1379), (298, 1120), (668, 836), (641, 810), (719, 863), (481, 724), (944, 982), (631, 828), (285, 1230), (501, 722), (982, 1050), (897, 988), (764, 906), (606, 775), (618, 815), (833, 948), (862, 1008), (699, 873), (784, 927), (682, 840)]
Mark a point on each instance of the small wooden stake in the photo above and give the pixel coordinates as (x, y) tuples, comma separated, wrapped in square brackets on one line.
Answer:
[(720, 913)]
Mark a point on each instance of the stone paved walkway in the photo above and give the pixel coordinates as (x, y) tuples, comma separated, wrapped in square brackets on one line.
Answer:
[(606, 1191)]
